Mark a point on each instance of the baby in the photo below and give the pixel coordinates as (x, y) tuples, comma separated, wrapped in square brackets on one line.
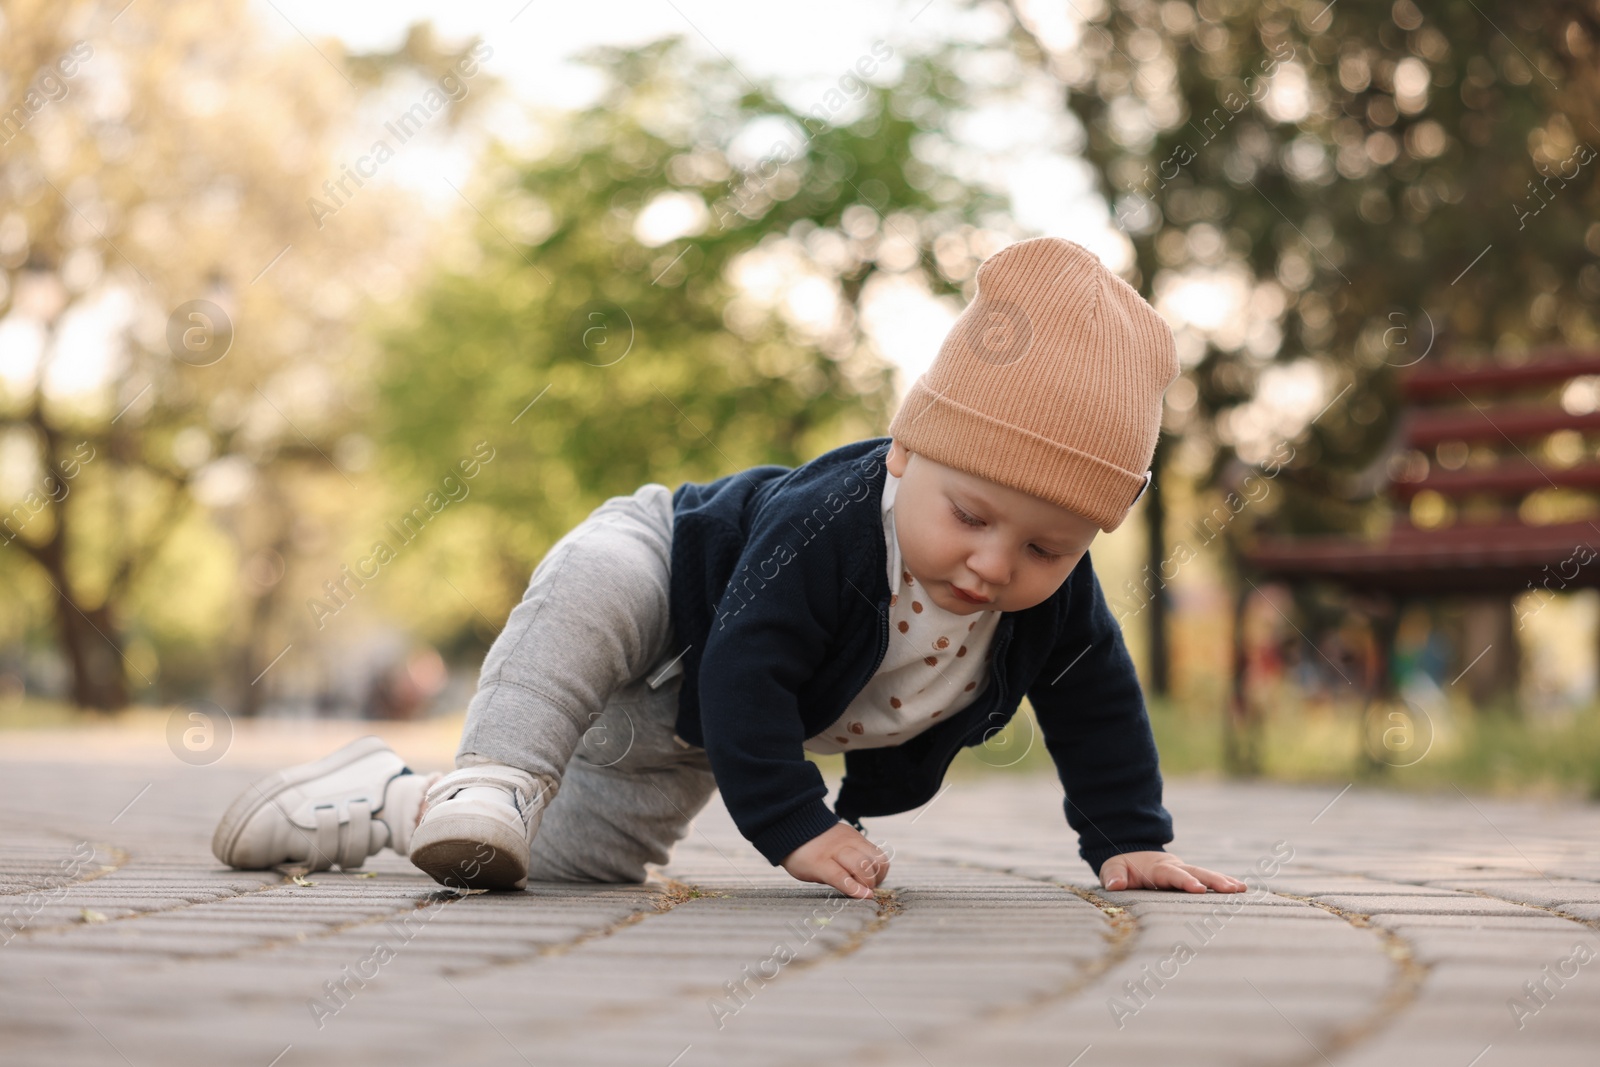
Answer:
[(892, 600)]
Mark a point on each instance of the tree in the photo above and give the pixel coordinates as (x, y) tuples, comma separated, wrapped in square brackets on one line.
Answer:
[(1363, 176), (673, 290), (154, 176)]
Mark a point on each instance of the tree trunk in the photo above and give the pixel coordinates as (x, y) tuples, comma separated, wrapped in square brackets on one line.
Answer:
[(248, 696), (262, 531), (1240, 750), (89, 637), (1155, 523), (1490, 656), (94, 653)]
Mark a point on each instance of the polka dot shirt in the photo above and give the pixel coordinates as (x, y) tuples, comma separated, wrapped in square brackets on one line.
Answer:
[(936, 664)]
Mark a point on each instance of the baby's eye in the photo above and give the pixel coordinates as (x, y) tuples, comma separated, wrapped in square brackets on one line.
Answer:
[(1046, 556), (964, 517)]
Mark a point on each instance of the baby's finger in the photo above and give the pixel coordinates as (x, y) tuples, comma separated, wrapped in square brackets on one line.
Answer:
[(1173, 876), (869, 869), (1222, 883), (846, 883), (871, 848), (1114, 874)]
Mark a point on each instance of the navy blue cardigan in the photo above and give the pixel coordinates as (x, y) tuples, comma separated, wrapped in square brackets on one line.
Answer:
[(779, 590)]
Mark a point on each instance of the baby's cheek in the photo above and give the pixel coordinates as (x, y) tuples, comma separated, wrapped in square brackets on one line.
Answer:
[(915, 565), (1021, 597)]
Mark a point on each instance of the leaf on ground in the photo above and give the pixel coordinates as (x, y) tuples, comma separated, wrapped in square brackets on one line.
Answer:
[(92, 916), (367, 874), (301, 879)]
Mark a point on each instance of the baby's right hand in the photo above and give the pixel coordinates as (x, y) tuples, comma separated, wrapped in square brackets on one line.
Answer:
[(840, 857)]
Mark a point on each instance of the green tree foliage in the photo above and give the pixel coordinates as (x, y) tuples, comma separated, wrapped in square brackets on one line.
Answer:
[(1394, 179), (594, 357), (154, 155), (1383, 184)]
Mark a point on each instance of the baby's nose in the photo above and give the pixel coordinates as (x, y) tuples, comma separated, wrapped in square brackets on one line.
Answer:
[(993, 569)]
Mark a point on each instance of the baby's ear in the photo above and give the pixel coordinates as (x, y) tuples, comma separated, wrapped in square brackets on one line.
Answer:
[(896, 458)]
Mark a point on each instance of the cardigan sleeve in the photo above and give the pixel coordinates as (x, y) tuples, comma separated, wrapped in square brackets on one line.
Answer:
[(1092, 717), (770, 635)]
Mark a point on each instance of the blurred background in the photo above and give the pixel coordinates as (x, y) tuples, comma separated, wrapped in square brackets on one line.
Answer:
[(319, 323)]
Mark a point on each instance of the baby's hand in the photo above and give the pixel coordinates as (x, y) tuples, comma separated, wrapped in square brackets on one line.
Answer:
[(1163, 870), (842, 858)]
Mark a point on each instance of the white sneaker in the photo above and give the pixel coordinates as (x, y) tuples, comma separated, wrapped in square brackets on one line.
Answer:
[(330, 811), (477, 825)]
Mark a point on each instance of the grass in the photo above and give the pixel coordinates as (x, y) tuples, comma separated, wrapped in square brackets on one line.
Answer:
[(1451, 746), (1544, 755), (1548, 755), (34, 713)]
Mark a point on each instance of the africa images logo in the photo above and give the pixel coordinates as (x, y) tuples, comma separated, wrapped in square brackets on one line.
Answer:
[(1000, 333)]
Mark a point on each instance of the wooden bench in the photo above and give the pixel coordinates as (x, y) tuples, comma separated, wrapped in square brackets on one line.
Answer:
[(1469, 449)]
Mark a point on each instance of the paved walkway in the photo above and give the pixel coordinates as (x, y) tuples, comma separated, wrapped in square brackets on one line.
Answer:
[(1380, 930)]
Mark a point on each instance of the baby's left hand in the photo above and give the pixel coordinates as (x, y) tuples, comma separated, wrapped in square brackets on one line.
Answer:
[(1163, 870)]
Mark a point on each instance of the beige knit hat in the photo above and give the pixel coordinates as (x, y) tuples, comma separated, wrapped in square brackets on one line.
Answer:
[(1050, 382)]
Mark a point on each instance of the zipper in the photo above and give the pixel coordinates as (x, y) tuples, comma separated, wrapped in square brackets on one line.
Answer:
[(883, 650), (883, 634)]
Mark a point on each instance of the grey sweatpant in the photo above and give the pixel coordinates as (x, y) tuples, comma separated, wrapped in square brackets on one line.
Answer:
[(581, 688)]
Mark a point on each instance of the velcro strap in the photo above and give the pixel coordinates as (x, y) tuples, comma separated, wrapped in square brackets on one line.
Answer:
[(325, 847), (519, 782), (357, 834)]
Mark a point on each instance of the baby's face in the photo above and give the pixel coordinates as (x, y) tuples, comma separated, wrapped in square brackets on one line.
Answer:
[(961, 532)]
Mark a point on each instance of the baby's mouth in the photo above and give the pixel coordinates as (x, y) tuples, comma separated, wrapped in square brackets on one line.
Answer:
[(962, 594)]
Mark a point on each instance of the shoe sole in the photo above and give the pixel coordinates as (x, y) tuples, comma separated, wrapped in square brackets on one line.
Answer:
[(469, 851), (264, 790)]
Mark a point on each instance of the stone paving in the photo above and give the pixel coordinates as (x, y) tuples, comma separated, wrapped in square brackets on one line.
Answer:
[(1380, 929)]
